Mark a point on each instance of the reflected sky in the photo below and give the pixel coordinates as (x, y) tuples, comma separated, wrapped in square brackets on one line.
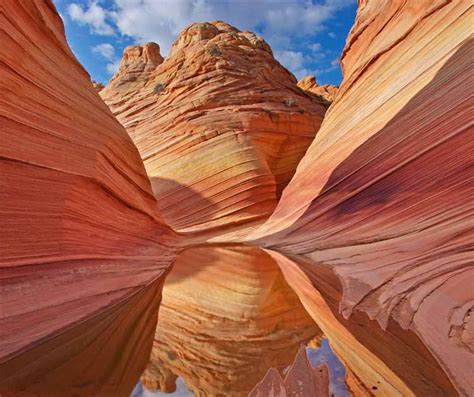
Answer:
[(337, 372), (181, 391)]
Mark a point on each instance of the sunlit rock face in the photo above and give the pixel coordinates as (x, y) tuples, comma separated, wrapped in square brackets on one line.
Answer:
[(138, 61), (81, 236), (227, 315), (327, 92), (382, 195), (220, 125)]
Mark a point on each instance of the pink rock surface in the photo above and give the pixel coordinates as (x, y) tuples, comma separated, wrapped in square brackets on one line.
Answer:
[(81, 233), (383, 193)]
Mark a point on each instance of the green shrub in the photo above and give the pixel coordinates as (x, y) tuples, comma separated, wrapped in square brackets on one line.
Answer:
[(290, 102), (214, 50), (158, 88)]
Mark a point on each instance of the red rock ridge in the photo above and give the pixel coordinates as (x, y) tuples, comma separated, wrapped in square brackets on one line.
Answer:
[(383, 193), (138, 61), (220, 125), (326, 92), (81, 233)]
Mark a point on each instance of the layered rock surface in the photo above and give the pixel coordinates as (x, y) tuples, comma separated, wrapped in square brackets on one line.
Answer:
[(82, 240), (220, 125), (227, 315), (383, 194), (326, 92)]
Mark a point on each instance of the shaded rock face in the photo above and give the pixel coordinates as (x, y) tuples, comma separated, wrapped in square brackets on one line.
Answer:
[(222, 117), (327, 92), (234, 324), (82, 240), (381, 196), (301, 380)]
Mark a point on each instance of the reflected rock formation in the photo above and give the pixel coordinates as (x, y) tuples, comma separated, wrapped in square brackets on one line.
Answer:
[(227, 315), (382, 196), (81, 242), (220, 116), (301, 380)]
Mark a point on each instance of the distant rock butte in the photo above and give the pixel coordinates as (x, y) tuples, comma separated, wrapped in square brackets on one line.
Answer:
[(98, 86), (327, 92), (382, 195), (220, 125), (82, 243), (138, 61), (301, 380)]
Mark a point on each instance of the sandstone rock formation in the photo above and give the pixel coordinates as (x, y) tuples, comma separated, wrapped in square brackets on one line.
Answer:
[(82, 240), (98, 86), (137, 63), (326, 92), (301, 380), (227, 315), (220, 125), (382, 195)]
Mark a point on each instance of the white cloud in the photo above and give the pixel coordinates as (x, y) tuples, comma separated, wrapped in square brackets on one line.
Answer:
[(292, 60), (112, 67), (315, 47), (163, 20), (332, 35), (282, 24), (94, 16), (105, 50)]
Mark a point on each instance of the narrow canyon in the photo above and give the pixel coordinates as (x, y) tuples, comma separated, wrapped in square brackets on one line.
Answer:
[(207, 218)]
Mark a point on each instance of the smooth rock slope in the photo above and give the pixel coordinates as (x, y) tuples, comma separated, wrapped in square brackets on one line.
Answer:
[(82, 240), (383, 195), (220, 125)]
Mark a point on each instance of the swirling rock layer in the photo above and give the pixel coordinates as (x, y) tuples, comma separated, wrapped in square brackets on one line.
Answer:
[(81, 234), (382, 195), (220, 125), (227, 315)]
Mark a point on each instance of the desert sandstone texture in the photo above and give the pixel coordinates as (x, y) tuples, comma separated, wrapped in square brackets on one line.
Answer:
[(382, 195), (357, 227), (326, 92), (220, 125), (81, 239)]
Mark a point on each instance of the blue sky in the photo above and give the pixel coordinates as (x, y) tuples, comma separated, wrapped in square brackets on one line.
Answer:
[(306, 36)]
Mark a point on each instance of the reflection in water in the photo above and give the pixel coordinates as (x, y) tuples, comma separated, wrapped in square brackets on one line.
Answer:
[(337, 372), (102, 356), (227, 315), (181, 391), (387, 362)]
